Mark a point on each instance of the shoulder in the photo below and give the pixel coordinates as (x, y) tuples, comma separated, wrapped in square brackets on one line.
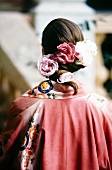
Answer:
[(20, 104), (99, 105), (97, 100)]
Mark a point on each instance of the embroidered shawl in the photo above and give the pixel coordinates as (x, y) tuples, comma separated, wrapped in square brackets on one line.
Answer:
[(49, 127)]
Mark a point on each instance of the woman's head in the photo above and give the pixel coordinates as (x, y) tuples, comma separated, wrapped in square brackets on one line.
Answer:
[(64, 50), (58, 31)]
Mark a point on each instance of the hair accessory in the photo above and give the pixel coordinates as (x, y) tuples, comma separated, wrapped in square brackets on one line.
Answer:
[(65, 77), (66, 53), (47, 66), (88, 50), (81, 54)]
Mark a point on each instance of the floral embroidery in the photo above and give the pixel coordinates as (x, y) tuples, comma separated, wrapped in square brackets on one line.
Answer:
[(45, 86), (45, 90), (99, 99), (51, 95), (24, 142), (42, 96), (32, 132), (28, 147)]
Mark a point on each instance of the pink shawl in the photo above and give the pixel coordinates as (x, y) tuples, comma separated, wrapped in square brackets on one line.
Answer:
[(58, 131)]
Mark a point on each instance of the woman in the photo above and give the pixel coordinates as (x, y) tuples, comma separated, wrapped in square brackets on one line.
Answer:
[(59, 124)]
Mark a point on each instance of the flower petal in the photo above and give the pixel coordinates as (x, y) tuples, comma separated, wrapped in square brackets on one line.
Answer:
[(65, 77)]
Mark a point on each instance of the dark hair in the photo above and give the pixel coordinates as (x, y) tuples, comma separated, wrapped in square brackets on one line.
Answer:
[(58, 31)]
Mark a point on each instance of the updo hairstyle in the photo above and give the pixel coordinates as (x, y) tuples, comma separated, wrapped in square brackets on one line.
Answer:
[(55, 33)]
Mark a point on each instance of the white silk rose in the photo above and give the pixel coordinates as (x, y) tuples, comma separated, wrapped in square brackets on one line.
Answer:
[(65, 77), (92, 47), (47, 66), (88, 50)]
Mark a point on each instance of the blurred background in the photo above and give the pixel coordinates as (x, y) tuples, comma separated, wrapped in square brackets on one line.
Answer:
[(21, 26)]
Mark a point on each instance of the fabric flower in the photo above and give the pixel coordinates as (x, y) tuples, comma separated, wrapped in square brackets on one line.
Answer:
[(87, 49), (65, 53), (65, 77), (82, 53), (92, 47), (47, 66)]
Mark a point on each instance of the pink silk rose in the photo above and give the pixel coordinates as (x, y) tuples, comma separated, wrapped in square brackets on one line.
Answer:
[(66, 53), (47, 66)]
